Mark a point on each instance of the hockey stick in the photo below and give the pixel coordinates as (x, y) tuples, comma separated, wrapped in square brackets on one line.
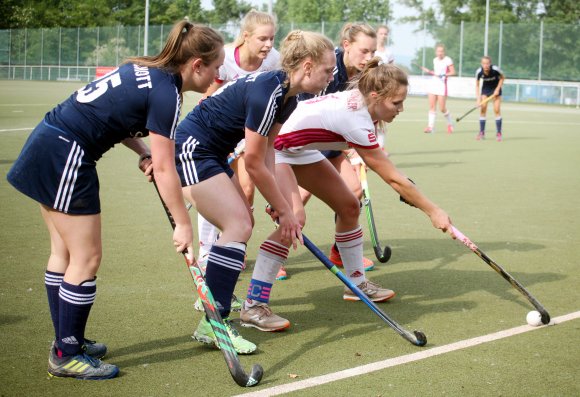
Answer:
[(417, 338), (429, 71), (382, 255), (486, 100), (469, 244), (217, 324)]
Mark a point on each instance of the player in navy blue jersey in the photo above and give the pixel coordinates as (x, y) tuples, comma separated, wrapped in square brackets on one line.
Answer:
[(57, 168), (252, 107), (358, 45), (492, 81)]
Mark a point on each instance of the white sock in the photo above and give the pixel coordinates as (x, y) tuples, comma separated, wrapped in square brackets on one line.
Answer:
[(431, 119), (350, 246), (271, 256), (448, 117), (208, 235)]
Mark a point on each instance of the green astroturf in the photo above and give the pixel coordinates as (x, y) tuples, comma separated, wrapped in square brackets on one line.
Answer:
[(518, 200)]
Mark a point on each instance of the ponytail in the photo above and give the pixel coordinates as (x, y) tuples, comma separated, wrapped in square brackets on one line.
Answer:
[(383, 78), (299, 45), (184, 42)]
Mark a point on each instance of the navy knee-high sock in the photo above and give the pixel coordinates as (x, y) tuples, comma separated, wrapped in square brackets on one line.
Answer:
[(221, 275), (52, 281), (74, 308)]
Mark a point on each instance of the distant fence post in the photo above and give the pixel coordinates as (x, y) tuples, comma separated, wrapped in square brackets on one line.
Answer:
[(25, 52), (78, 48), (41, 52), (541, 49), (461, 48), (97, 47), (424, 44), (500, 43)]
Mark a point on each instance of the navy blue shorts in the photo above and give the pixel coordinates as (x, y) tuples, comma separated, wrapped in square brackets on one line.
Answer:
[(54, 170), (489, 92), (331, 154), (195, 163)]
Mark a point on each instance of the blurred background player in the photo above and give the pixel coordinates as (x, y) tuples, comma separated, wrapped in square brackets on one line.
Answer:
[(358, 44), (383, 50), (492, 81), (252, 51), (437, 91), (251, 107), (57, 168), (335, 121)]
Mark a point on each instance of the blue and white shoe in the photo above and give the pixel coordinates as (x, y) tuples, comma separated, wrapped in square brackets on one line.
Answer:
[(82, 366)]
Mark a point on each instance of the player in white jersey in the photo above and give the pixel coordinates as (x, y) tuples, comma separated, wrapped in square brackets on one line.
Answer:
[(442, 68), (252, 51), (382, 41), (335, 121), (359, 42)]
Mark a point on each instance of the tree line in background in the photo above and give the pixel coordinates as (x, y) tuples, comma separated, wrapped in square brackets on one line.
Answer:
[(519, 34), (15, 14)]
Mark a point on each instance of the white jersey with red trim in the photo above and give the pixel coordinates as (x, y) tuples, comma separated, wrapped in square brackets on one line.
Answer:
[(231, 69), (438, 84), (332, 122), (441, 66)]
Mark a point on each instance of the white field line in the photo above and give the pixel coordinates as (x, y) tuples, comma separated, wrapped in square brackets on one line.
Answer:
[(547, 122), (23, 104), (18, 129), (391, 362)]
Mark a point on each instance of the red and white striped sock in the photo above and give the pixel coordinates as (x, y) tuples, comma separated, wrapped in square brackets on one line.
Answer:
[(350, 246)]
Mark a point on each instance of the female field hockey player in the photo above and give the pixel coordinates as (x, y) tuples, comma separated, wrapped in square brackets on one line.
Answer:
[(492, 81), (335, 121), (358, 44), (251, 107), (442, 68), (252, 51), (382, 41), (57, 168)]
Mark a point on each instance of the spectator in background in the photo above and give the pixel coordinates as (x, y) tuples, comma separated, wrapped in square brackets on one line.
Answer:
[(382, 42)]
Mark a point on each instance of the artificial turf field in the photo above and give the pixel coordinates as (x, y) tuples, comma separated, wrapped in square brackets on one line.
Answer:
[(518, 200)]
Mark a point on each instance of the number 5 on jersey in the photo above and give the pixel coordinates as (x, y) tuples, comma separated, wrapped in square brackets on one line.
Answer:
[(98, 87)]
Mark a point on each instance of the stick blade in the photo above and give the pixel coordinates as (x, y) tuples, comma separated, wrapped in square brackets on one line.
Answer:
[(384, 255), (421, 338), (244, 380)]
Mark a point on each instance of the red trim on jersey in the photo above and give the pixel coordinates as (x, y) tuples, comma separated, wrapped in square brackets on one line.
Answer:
[(301, 138)]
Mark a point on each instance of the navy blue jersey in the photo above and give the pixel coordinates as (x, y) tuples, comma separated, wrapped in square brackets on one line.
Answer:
[(255, 101), (128, 102), (490, 80)]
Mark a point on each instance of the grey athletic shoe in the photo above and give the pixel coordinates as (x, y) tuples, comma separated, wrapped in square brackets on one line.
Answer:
[(261, 317), (375, 292), (82, 366)]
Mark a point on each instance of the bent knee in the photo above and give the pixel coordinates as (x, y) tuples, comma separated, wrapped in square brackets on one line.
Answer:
[(350, 211)]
